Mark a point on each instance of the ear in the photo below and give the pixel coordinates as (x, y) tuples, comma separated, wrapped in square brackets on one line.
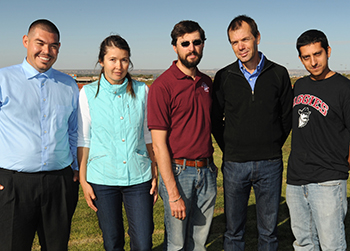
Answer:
[(25, 41), (175, 49), (258, 38), (301, 60), (329, 50), (101, 63)]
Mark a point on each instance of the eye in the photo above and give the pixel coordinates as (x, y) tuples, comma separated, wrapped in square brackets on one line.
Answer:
[(185, 44), (197, 42)]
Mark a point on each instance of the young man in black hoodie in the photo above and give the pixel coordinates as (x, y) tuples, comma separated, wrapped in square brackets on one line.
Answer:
[(251, 119)]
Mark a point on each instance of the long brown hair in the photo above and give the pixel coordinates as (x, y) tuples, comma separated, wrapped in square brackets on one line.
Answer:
[(120, 43)]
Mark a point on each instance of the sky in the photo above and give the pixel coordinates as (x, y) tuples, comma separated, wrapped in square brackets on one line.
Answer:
[(146, 25)]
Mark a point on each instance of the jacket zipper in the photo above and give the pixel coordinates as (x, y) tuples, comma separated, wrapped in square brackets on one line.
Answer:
[(253, 97)]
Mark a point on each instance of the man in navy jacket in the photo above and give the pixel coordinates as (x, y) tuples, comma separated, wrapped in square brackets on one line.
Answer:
[(251, 119)]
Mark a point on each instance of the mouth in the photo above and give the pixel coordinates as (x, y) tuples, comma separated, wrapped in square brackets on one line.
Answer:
[(192, 55), (244, 54), (44, 59)]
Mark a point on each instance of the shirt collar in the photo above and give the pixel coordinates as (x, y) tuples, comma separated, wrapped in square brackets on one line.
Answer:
[(113, 88), (31, 72), (179, 74), (259, 67)]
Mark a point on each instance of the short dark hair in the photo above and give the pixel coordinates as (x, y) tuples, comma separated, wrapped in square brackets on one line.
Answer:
[(236, 23), (45, 25), (311, 37), (183, 27)]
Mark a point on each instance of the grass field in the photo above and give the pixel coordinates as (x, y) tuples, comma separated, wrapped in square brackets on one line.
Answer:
[(86, 234)]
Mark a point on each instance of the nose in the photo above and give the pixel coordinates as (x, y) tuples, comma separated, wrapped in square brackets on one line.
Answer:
[(313, 61), (46, 49), (191, 47), (240, 45), (118, 64)]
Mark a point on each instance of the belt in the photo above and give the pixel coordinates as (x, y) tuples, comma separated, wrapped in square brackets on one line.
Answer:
[(33, 173), (198, 163)]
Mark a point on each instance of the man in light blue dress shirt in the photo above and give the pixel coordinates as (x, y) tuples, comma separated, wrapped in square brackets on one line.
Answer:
[(38, 135)]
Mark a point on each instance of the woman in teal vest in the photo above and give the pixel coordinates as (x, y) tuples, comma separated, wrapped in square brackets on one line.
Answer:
[(115, 150)]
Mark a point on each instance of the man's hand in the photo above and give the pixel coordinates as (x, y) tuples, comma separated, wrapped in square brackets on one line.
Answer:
[(178, 209), (76, 175)]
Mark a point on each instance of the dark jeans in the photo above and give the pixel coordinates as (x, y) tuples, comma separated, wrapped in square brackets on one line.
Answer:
[(42, 202), (266, 178), (138, 205)]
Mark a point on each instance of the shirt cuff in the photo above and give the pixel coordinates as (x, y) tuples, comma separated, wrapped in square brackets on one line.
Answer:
[(75, 166)]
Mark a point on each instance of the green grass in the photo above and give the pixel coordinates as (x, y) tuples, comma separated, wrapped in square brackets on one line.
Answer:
[(86, 235)]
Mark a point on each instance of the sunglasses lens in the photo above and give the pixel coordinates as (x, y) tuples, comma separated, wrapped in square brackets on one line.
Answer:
[(197, 42), (185, 43)]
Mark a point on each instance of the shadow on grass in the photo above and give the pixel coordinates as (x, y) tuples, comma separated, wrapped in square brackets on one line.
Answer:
[(347, 222), (158, 248), (215, 239), (286, 238)]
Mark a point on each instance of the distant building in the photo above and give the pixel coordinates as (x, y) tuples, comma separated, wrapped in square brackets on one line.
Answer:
[(81, 81)]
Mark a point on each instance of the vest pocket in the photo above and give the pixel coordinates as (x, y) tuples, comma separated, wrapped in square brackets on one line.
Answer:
[(142, 158), (96, 157)]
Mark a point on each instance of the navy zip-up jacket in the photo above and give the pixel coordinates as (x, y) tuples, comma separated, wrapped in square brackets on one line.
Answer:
[(252, 125)]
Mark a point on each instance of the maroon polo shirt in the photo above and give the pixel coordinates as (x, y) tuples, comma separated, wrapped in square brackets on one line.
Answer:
[(181, 106)]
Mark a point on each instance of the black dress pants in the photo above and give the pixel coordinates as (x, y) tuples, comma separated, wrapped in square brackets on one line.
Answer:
[(42, 202)]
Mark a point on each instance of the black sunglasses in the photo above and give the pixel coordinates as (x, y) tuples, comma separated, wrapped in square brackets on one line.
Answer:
[(194, 42)]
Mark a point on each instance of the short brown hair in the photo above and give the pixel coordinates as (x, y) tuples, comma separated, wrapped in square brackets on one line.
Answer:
[(236, 23), (184, 27)]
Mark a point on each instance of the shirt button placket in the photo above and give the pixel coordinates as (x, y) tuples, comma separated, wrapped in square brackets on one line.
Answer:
[(44, 115)]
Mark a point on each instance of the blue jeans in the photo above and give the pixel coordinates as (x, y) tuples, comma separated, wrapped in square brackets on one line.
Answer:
[(138, 204), (266, 178), (198, 190), (317, 212)]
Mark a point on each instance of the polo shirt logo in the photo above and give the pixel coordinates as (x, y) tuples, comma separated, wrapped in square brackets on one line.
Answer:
[(205, 87)]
